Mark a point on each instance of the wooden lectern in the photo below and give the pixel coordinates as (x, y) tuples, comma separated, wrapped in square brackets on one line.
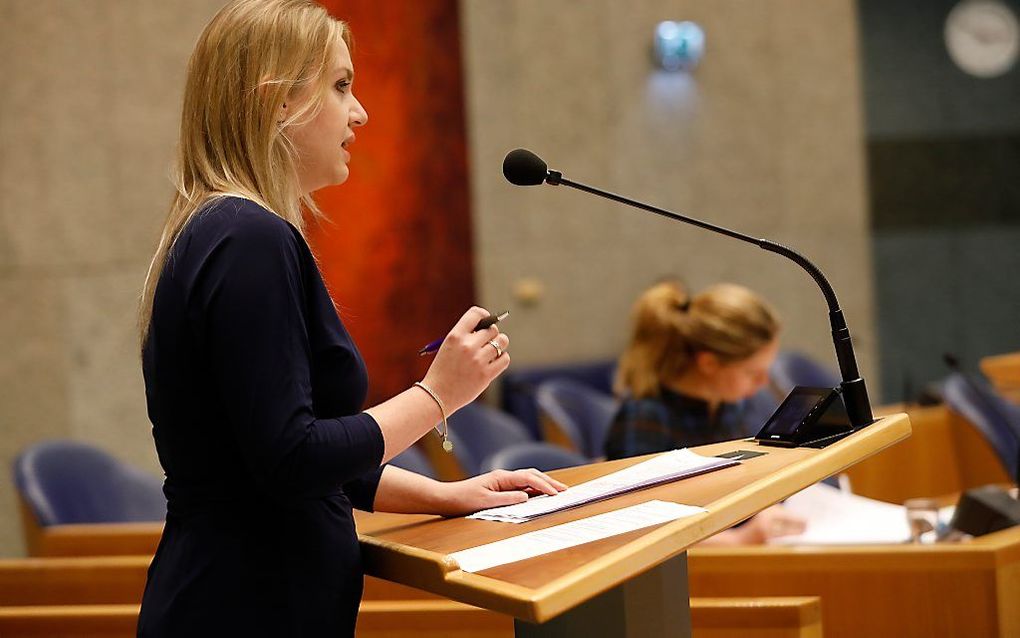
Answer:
[(630, 585)]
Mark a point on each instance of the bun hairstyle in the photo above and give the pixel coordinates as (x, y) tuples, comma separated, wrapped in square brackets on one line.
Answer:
[(669, 327), (254, 56)]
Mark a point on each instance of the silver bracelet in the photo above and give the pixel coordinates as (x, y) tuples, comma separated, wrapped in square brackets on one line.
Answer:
[(445, 432)]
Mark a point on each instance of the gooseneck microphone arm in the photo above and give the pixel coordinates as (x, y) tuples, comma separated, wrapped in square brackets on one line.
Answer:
[(523, 170)]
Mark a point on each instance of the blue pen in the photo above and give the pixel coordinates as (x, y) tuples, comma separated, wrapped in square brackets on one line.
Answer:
[(482, 325)]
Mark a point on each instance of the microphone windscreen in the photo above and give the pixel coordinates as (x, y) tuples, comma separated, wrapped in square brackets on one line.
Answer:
[(524, 168)]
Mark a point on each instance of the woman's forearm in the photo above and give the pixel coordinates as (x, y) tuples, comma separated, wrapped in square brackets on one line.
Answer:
[(404, 419), (465, 364), (404, 492)]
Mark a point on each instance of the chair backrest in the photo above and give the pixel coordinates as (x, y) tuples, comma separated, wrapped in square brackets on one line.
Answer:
[(541, 456), (998, 420), (519, 386), (582, 413), (478, 431), (791, 369), (757, 410), (69, 482), (414, 460)]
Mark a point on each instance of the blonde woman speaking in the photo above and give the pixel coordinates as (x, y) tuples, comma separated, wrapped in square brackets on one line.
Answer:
[(254, 387)]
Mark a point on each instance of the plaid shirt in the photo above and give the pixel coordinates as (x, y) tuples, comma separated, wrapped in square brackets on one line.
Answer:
[(671, 421)]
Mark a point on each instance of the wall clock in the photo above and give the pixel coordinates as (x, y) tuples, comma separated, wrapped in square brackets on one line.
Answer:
[(983, 37)]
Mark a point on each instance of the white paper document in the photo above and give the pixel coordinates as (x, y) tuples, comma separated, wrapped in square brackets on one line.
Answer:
[(585, 530), (839, 518), (666, 467)]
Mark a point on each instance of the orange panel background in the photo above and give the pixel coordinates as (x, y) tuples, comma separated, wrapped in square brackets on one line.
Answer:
[(396, 251)]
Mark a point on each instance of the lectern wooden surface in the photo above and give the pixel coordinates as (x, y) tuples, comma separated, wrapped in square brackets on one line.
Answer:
[(413, 550)]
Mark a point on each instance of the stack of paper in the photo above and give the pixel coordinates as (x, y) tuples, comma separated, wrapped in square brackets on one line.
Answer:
[(838, 518), (666, 467), (572, 534)]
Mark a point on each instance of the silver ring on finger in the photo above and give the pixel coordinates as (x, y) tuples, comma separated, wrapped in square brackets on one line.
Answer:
[(499, 351)]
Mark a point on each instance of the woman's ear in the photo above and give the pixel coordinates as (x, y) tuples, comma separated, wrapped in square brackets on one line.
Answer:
[(282, 114), (706, 363)]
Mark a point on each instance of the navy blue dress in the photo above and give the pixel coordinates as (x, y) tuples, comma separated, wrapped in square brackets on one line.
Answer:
[(255, 392)]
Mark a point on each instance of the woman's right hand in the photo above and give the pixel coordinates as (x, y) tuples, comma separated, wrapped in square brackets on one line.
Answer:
[(467, 363), (770, 523)]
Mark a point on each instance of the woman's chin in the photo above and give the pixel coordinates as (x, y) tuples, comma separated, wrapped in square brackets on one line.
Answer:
[(338, 177)]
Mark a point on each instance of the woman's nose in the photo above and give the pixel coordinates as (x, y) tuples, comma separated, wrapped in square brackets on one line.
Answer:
[(359, 116)]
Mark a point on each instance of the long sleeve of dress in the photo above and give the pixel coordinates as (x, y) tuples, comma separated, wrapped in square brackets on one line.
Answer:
[(250, 300), (361, 490)]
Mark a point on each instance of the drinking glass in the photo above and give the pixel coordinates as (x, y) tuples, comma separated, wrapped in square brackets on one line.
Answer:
[(923, 518)]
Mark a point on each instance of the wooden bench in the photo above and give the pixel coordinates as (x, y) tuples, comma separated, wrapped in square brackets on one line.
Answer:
[(63, 581), (777, 617), (1003, 371), (80, 621), (94, 597), (377, 619), (961, 589), (93, 539), (945, 454), (793, 617)]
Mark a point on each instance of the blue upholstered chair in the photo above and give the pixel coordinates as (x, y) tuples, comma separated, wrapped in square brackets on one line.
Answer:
[(793, 368), (414, 460), (998, 420), (757, 410), (66, 482), (541, 456), (582, 413), (478, 431), (519, 387)]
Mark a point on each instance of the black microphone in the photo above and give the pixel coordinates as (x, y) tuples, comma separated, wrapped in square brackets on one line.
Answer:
[(524, 168)]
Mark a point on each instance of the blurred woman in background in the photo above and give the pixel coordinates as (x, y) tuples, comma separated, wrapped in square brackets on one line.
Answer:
[(690, 366)]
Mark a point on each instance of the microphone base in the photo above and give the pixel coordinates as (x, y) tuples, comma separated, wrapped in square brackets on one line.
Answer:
[(829, 440), (984, 510), (858, 406)]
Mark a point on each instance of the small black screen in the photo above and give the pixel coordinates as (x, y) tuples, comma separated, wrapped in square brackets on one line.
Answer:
[(792, 412)]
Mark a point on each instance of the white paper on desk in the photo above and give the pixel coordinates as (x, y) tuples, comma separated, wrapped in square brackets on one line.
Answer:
[(666, 467), (579, 532), (839, 518)]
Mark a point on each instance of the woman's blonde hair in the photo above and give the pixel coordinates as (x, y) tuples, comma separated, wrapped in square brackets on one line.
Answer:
[(669, 328), (254, 56)]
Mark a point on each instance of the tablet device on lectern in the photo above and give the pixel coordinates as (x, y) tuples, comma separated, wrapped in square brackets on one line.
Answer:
[(805, 416)]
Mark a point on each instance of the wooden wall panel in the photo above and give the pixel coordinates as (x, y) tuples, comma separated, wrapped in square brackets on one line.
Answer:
[(396, 250)]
